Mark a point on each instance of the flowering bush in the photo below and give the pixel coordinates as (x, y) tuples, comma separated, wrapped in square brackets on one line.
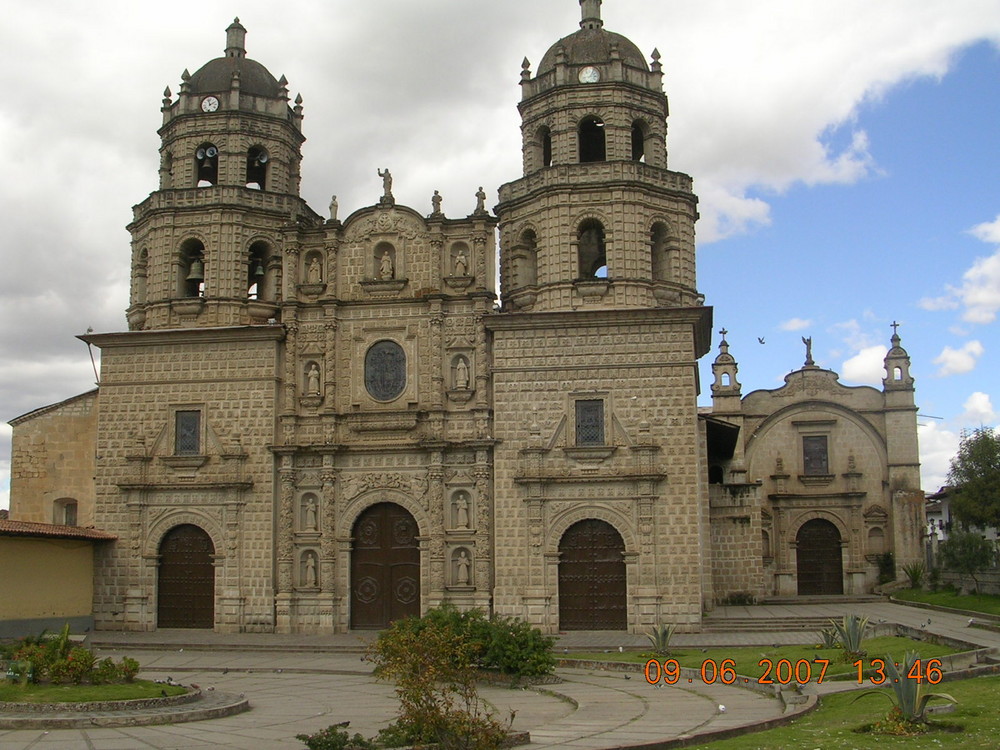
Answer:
[(55, 659)]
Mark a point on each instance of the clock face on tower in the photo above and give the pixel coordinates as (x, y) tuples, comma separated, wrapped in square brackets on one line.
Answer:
[(209, 104), (590, 74)]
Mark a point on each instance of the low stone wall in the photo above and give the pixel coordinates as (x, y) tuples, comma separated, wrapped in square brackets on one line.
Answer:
[(98, 706)]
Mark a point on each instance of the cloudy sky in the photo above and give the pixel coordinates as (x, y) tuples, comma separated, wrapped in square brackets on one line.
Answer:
[(845, 153)]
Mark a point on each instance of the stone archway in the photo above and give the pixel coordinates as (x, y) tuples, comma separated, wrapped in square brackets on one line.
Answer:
[(819, 560), (186, 579), (385, 567), (592, 580)]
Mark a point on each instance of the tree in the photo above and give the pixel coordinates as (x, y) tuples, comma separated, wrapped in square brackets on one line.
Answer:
[(975, 475), (967, 553)]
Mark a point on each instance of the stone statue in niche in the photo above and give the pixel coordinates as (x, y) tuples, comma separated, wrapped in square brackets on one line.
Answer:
[(314, 273), (461, 374), (462, 565), (309, 570), (310, 521), (333, 208), (461, 264), (385, 267), (461, 511), (312, 380), (436, 204)]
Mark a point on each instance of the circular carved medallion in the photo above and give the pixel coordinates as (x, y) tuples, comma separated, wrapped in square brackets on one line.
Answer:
[(406, 590), (367, 589), (385, 370), (404, 531)]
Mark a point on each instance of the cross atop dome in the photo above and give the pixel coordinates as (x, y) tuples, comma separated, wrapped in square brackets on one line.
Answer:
[(591, 12)]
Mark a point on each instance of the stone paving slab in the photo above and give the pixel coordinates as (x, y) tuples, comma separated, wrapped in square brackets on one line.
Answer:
[(294, 693)]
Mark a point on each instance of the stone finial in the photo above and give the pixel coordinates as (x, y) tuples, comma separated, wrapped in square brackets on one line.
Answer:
[(236, 36), (590, 11), (525, 70)]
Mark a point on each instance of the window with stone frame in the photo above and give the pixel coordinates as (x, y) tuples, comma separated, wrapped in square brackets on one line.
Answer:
[(590, 422), (187, 433), (815, 455)]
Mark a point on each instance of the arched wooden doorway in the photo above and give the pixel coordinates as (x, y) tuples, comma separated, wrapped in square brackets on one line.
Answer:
[(592, 577), (820, 565), (385, 567), (186, 582)]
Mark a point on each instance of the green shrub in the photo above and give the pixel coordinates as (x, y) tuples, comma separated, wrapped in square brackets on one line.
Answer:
[(432, 666), (105, 671), (513, 647), (129, 669), (505, 644), (886, 567), (335, 738)]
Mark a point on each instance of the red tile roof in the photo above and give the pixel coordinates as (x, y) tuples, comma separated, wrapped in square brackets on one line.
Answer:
[(51, 530)]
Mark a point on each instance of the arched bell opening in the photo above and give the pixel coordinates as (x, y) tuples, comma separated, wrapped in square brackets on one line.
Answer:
[(206, 162), (191, 269), (591, 250), (592, 140), (257, 161)]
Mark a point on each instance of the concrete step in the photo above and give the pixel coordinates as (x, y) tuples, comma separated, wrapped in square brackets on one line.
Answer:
[(767, 624), (845, 599)]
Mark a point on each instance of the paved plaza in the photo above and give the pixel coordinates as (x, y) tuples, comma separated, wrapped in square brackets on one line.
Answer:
[(300, 684)]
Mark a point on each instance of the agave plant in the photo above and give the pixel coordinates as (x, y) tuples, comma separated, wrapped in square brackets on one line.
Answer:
[(660, 637), (910, 697), (915, 574), (829, 636), (850, 633)]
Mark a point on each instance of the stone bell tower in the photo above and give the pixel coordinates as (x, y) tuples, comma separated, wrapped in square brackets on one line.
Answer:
[(597, 220), (599, 473), (203, 249)]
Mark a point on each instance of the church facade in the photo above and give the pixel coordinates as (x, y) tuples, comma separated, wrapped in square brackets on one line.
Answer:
[(316, 424)]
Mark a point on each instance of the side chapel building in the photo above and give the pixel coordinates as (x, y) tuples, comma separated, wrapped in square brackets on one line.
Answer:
[(315, 424)]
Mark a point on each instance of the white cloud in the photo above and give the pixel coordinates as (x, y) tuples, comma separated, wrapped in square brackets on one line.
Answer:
[(988, 231), (978, 410), (958, 361), (934, 304), (866, 366), (979, 292), (795, 324), (938, 445)]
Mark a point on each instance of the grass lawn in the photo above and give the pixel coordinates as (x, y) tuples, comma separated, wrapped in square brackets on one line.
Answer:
[(975, 602), (832, 725), (747, 658), (80, 693)]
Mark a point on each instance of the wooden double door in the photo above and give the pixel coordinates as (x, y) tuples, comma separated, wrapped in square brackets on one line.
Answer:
[(385, 567), (592, 585), (186, 580), (819, 559)]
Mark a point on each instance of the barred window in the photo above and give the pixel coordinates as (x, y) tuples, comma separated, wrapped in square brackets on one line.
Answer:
[(187, 435), (590, 422), (815, 458)]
